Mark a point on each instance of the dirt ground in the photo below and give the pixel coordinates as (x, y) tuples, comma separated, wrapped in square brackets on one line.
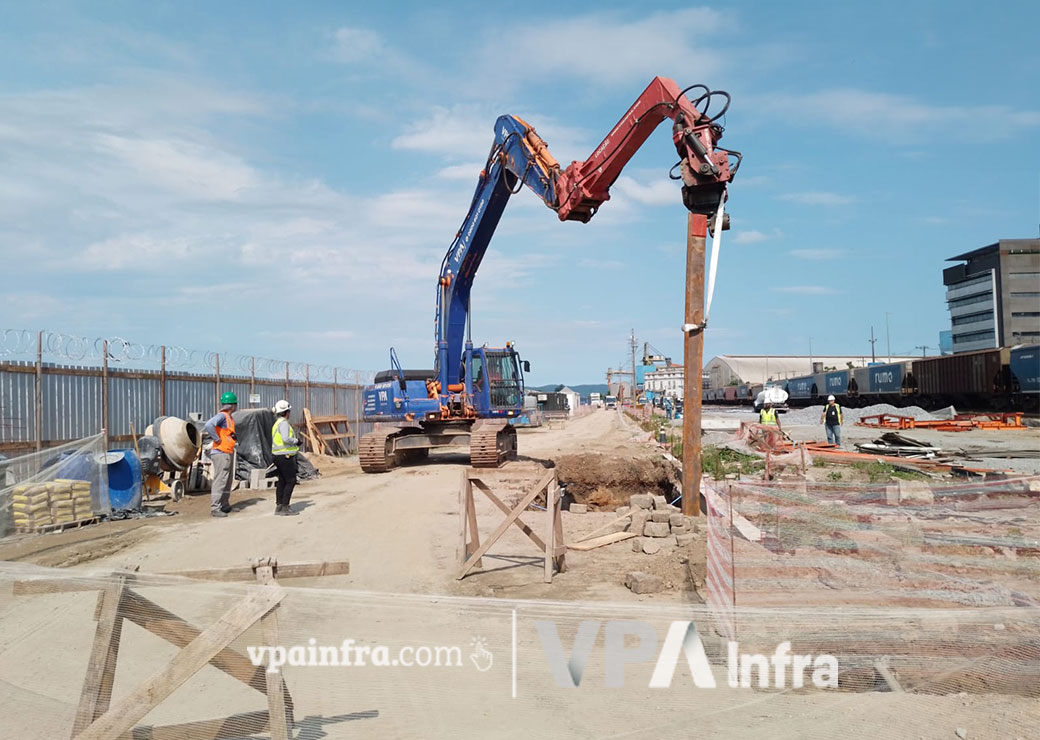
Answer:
[(399, 531)]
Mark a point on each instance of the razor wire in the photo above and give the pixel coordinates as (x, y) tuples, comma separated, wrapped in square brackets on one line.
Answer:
[(120, 353)]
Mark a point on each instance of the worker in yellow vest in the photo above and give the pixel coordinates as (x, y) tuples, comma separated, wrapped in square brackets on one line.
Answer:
[(832, 420), (285, 446), (769, 416), (221, 429)]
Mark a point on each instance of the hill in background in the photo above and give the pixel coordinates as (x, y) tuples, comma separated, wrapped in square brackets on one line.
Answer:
[(583, 390)]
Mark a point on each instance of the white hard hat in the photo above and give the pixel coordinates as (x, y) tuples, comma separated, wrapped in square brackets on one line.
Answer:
[(829, 398), (281, 407)]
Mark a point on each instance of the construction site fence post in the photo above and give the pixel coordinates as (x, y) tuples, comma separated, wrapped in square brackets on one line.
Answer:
[(162, 381), (104, 390), (39, 391)]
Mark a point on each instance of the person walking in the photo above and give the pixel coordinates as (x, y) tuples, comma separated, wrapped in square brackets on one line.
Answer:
[(285, 445), (221, 429), (831, 419), (769, 416)]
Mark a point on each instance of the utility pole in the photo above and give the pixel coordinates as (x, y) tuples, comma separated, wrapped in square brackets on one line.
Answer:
[(873, 358), (810, 355), (632, 346), (888, 342), (923, 348)]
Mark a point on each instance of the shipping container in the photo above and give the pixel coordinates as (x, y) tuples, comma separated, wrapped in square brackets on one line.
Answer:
[(836, 383), (966, 374), (1025, 368)]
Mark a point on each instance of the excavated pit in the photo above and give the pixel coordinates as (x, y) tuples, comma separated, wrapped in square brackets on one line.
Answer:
[(605, 483)]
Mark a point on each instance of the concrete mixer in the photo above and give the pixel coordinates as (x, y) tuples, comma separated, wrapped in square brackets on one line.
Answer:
[(167, 450)]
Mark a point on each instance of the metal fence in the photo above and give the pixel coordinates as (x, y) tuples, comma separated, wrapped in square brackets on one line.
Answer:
[(55, 388)]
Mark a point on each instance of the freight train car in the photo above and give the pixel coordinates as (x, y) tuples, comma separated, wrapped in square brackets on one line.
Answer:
[(969, 379), (1024, 376)]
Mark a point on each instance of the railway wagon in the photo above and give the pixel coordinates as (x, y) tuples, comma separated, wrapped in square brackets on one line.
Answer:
[(802, 389), (836, 383), (729, 394), (1024, 367), (967, 377)]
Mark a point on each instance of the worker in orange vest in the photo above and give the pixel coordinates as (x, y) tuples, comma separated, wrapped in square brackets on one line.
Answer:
[(221, 429)]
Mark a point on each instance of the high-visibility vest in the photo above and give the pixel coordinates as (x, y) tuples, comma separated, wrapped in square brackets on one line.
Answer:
[(825, 413), (767, 416), (278, 445), (225, 443)]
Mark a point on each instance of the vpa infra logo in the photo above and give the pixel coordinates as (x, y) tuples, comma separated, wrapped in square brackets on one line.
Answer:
[(682, 639)]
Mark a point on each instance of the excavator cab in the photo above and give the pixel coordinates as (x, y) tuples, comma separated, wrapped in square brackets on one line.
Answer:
[(496, 377)]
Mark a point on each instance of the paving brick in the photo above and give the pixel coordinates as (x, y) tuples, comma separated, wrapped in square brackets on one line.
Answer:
[(660, 502), (637, 544), (641, 500), (677, 520), (579, 508), (643, 583), (638, 520), (656, 529), (660, 516), (682, 540), (651, 546)]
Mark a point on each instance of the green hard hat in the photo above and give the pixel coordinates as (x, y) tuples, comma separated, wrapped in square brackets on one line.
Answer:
[(227, 398)]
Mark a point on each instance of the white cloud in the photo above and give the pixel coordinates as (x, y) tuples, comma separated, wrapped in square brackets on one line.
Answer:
[(351, 45), (805, 289), (633, 47), (817, 254), (189, 168), (817, 199), (661, 192), (882, 114), (467, 172), (751, 236)]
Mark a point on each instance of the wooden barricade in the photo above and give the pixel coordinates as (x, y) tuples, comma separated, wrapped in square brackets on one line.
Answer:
[(333, 439), (96, 717), (471, 550)]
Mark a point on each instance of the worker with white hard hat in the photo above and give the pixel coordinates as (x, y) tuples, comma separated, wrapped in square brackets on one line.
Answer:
[(285, 446), (831, 419)]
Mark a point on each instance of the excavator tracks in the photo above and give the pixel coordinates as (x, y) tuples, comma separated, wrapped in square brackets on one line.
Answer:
[(491, 444), (376, 451)]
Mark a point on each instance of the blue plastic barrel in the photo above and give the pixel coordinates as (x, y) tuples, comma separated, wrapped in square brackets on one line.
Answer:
[(124, 480)]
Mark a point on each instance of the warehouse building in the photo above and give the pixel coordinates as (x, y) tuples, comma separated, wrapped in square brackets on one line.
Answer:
[(994, 295), (726, 370)]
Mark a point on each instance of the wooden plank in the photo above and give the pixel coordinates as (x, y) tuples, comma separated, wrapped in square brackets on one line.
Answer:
[(551, 512), (471, 517), (237, 725), (559, 547), (605, 527), (607, 539), (189, 661), (96, 694), (168, 626), (747, 530), (30, 586), (276, 691), (506, 510), (461, 548), (507, 523)]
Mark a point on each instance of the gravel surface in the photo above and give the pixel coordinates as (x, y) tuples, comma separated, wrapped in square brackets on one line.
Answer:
[(811, 414)]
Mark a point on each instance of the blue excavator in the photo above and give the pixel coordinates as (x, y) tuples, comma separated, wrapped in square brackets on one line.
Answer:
[(472, 392)]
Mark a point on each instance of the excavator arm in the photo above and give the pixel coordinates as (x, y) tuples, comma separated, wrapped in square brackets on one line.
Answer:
[(520, 157)]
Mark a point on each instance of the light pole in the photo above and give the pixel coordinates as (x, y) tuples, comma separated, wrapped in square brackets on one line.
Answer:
[(888, 342), (873, 358)]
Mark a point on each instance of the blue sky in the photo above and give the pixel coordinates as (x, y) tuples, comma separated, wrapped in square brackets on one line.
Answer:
[(283, 179)]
